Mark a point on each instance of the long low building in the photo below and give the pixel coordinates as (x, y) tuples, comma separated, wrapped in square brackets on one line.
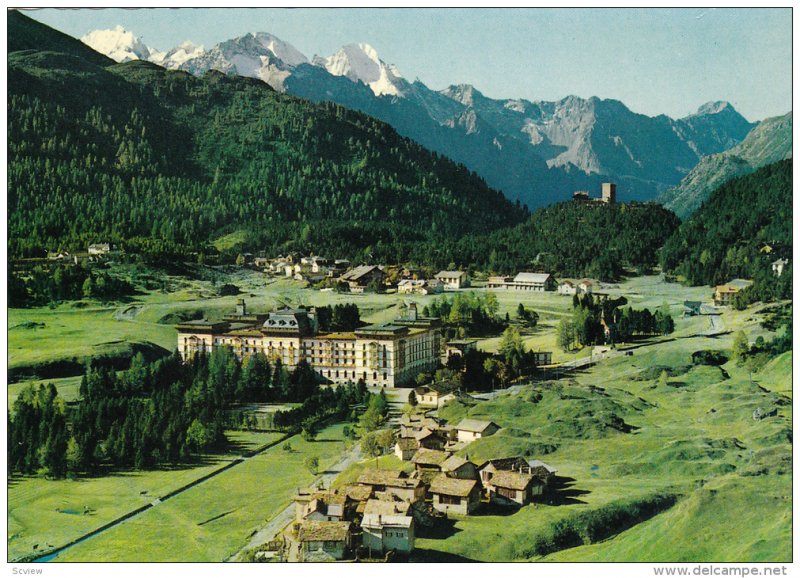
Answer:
[(524, 282), (384, 355)]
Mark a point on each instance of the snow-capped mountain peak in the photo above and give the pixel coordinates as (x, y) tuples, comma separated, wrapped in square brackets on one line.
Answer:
[(282, 50), (178, 55), (360, 63), (118, 44)]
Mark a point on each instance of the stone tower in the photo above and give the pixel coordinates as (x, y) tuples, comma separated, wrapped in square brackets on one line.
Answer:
[(609, 193)]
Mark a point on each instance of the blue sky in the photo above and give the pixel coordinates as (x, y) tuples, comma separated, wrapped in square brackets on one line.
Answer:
[(656, 61)]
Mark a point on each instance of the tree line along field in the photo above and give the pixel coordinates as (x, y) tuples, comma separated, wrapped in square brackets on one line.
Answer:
[(676, 447), (51, 512), (212, 520), (206, 523)]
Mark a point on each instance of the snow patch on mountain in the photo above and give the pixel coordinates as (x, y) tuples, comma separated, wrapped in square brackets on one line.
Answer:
[(119, 44), (360, 63), (283, 51)]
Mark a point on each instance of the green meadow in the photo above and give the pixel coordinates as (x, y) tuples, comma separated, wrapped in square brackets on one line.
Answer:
[(50, 513), (212, 520)]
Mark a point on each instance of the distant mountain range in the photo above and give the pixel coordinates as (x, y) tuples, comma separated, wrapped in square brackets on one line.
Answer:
[(769, 142), (535, 152)]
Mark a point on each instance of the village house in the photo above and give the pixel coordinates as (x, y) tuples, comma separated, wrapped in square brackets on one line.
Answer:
[(334, 505), (513, 487), (542, 471), (691, 308), (102, 249), (337, 268), (410, 423), (381, 533), (430, 439), (383, 355), (361, 277), (427, 396), (567, 287), (723, 294), (458, 467), (453, 279), (405, 448), (329, 508), (419, 286), (427, 460), (387, 508), (455, 495), (396, 484), (472, 429), (540, 358), (313, 541), (488, 468), (778, 265)]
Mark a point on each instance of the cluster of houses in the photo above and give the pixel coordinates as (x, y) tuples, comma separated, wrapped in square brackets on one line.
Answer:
[(456, 484), (358, 279), (381, 511), (95, 252), (365, 277)]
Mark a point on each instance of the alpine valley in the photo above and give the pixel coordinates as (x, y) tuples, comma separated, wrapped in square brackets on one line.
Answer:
[(266, 307)]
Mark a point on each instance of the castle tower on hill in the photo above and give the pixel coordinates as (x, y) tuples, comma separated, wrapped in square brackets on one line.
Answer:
[(609, 193)]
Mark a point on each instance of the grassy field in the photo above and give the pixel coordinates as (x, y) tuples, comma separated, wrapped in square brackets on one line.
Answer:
[(213, 520), (617, 432), (34, 503)]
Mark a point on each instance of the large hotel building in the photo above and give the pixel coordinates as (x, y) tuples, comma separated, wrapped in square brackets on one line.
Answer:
[(383, 355)]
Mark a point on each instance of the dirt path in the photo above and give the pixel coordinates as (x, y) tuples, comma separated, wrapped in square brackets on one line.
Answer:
[(285, 516)]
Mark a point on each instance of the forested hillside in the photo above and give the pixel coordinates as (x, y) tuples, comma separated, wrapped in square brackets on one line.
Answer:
[(165, 162), (726, 237), (575, 239)]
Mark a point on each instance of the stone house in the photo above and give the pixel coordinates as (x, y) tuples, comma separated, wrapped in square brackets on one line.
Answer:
[(313, 541), (458, 467), (405, 448), (472, 429), (430, 460), (455, 495), (513, 487), (396, 484), (381, 532), (453, 279)]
